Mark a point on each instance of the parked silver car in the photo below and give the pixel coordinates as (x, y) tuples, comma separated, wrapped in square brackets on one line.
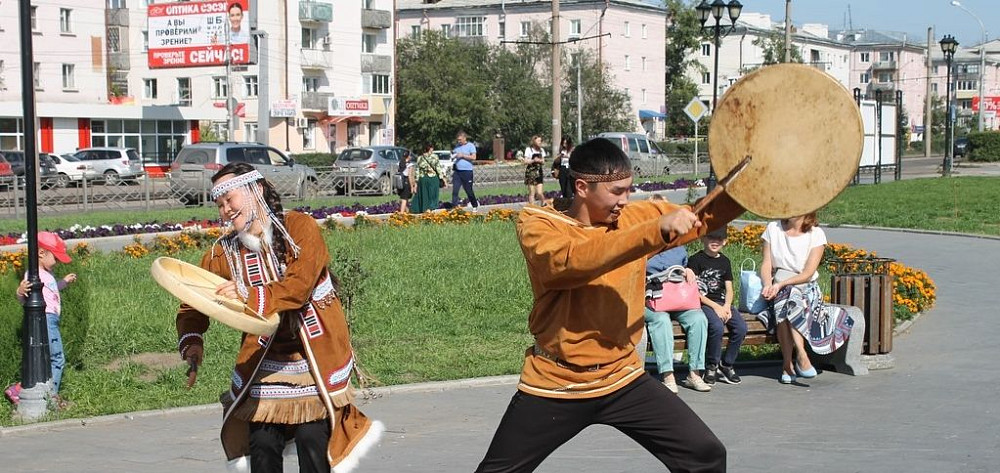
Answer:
[(367, 170), (192, 169), (114, 165)]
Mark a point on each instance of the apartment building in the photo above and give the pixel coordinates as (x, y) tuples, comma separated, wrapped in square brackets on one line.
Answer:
[(633, 50), (965, 78), (304, 79), (738, 54)]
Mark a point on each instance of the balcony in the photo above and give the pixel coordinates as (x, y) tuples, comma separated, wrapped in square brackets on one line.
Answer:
[(119, 61), (316, 101), (376, 64), (116, 16), (379, 19), (823, 66), (316, 59), (315, 12), (884, 65), (884, 86)]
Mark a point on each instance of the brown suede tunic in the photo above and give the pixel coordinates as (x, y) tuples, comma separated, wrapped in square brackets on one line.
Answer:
[(588, 284)]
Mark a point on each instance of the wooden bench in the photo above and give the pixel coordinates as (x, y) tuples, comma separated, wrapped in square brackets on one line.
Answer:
[(847, 359)]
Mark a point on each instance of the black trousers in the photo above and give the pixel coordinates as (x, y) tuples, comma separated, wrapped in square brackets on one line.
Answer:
[(463, 179), (565, 183), (645, 410), (267, 441)]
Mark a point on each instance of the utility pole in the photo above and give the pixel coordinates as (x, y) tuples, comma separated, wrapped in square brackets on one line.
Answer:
[(230, 97), (788, 31), (579, 99), (928, 102), (35, 366), (556, 81), (263, 92)]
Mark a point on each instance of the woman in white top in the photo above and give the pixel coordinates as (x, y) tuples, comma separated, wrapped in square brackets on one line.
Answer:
[(793, 249), (534, 157)]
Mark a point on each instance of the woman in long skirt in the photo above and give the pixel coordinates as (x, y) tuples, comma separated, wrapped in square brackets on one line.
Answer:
[(427, 173)]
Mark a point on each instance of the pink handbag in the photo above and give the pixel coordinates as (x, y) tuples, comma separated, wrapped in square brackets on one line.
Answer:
[(678, 294)]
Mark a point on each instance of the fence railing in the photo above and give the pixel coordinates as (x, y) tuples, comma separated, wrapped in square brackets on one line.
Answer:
[(183, 188)]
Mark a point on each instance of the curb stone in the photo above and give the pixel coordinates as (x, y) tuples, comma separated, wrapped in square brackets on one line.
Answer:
[(432, 386)]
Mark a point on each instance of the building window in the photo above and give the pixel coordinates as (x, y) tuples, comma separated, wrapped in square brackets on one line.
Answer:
[(628, 92), (446, 30), (377, 84), (503, 30), (470, 26), (644, 64), (65, 21), (116, 4), (184, 91), (149, 88), (644, 33), (866, 57), (415, 31), (369, 4), (706, 49), (525, 29), (308, 38), (884, 77), (575, 28), (250, 132), (368, 43), (114, 39), (706, 77), (968, 85), (965, 104), (34, 18), (934, 88), (220, 89), (628, 30), (11, 133), (865, 77), (37, 72), (309, 134), (68, 80), (310, 83), (887, 56), (250, 86), (643, 95), (628, 63)]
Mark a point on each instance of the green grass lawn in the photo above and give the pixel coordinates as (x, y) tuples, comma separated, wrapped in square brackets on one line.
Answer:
[(964, 204)]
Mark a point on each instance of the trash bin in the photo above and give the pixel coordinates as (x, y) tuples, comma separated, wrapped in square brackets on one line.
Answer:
[(866, 284)]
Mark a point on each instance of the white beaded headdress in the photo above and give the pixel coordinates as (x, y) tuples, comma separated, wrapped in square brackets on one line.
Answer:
[(253, 192)]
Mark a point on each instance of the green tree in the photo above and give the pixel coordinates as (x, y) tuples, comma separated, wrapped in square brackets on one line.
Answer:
[(605, 108), (773, 44), (684, 37)]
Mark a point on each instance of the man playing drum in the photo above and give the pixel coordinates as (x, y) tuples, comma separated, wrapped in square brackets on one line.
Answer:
[(586, 265), (295, 383)]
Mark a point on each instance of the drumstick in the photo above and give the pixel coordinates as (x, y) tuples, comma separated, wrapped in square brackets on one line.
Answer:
[(721, 185)]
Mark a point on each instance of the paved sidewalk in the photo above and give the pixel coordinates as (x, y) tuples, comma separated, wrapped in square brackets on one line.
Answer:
[(935, 412)]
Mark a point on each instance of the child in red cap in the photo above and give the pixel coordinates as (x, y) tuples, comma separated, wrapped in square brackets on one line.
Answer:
[(51, 249)]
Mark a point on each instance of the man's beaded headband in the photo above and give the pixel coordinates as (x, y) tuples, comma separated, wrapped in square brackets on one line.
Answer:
[(615, 176), (243, 179)]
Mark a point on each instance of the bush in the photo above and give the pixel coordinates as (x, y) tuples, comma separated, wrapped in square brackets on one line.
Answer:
[(985, 146), (315, 159), (685, 148)]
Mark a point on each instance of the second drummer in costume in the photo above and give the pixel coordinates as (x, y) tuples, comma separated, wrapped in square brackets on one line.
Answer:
[(586, 264), (296, 383)]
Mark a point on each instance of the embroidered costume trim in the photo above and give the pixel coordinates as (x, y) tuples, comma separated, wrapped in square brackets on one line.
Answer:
[(285, 367), (243, 179), (615, 176)]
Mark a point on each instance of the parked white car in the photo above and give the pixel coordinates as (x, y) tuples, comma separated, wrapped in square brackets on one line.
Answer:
[(71, 169), (114, 165)]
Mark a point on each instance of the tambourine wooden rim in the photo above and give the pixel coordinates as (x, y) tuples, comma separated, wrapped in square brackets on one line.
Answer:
[(803, 130), (196, 287)]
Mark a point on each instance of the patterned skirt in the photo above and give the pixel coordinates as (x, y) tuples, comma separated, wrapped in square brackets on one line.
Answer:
[(284, 392), (825, 327), (533, 174)]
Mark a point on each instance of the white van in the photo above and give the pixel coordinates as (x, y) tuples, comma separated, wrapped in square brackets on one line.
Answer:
[(646, 156)]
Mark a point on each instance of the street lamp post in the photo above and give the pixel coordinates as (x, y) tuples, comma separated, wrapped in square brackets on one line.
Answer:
[(948, 47), (716, 9), (982, 61)]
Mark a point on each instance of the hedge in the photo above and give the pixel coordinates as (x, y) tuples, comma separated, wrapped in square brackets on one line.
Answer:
[(985, 146)]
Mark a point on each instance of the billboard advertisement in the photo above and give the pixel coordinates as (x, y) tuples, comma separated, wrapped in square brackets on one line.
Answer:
[(189, 34), (348, 107), (992, 104)]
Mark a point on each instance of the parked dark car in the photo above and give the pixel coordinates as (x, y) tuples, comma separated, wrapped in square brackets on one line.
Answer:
[(47, 173), (962, 147)]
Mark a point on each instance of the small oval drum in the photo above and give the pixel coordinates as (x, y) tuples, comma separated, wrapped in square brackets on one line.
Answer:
[(196, 287), (803, 131)]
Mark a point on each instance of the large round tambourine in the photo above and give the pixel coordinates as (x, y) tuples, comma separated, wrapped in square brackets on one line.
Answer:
[(196, 288), (803, 130)]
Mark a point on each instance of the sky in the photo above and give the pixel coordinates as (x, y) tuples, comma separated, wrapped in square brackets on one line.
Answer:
[(910, 16)]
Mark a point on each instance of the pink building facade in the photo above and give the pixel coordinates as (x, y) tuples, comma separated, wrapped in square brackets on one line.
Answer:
[(633, 50)]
